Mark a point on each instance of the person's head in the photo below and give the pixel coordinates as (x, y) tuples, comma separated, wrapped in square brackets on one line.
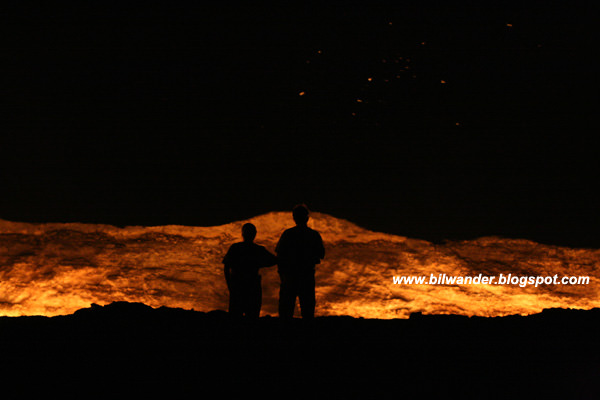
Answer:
[(248, 232), (300, 214)]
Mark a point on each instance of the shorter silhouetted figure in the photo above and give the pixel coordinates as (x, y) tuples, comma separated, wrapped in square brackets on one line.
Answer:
[(299, 249), (242, 262)]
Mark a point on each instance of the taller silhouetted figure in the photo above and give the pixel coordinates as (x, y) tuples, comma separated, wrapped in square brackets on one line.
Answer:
[(242, 262), (299, 249)]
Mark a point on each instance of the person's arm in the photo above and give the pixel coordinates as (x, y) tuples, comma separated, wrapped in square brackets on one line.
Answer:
[(227, 271), (280, 253), (278, 246), (320, 247), (227, 268), (269, 259)]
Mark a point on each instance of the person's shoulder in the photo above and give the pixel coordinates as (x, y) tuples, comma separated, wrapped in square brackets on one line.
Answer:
[(258, 246), (236, 246), (233, 252), (314, 232), (289, 231)]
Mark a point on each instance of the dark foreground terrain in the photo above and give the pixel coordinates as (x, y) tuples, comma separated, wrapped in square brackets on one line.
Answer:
[(132, 350)]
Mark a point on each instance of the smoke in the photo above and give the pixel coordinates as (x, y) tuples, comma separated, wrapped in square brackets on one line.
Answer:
[(55, 269)]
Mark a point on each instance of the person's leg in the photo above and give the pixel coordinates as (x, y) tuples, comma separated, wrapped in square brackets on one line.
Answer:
[(254, 300), (235, 300), (287, 297), (307, 297)]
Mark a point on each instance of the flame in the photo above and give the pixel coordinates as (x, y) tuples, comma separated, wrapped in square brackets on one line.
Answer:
[(55, 269)]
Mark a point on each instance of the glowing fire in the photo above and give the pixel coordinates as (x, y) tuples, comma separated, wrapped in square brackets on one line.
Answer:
[(54, 269)]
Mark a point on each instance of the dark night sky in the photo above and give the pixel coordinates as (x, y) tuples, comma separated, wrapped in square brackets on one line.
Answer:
[(191, 114)]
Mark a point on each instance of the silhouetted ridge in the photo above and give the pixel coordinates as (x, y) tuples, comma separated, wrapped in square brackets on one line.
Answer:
[(134, 349), (138, 316)]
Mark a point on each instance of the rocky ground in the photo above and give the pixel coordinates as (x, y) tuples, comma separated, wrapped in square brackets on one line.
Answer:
[(131, 349)]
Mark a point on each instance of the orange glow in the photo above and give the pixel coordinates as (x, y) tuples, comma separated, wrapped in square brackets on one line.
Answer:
[(55, 269), (301, 93), (509, 25), (370, 79), (442, 81)]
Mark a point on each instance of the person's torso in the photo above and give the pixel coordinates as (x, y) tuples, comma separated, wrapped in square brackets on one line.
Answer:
[(299, 247), (246, 259)]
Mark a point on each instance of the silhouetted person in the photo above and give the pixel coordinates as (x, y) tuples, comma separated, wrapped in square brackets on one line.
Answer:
[(299, 249), (242, 262)]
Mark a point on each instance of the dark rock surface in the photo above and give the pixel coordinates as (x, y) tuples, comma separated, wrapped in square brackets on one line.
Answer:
[(130, 349)]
